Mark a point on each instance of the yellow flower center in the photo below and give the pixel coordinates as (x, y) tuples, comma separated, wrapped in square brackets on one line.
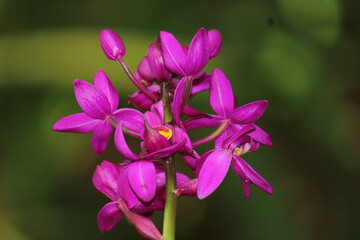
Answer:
[(166, 132)]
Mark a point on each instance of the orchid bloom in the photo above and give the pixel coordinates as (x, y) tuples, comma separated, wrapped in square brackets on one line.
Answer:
[(213, 165), (99, 103), (106, 181)]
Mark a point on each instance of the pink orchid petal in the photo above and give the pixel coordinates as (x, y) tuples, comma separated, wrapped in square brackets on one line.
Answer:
[(179, 134), (153, 140), (91, 100), (125, 190), (145, 71), (165, 152), (147, 209), (143, 225), (156, 61), (174, 56), (216, 40), (244, 170), (105, 179), (141, 101), (180, 179), (102, 82), (77, 123), (199, 52), (101, 136), (261, 136), (142, 178), (177, 100), (203, 122), (130, 118), (191, 159), (221, 94), (250, 112), (121, 144), (109, 216), (191, 112), (158, 109), (200, 162), (201, 84), (213, 172), (188, 188)]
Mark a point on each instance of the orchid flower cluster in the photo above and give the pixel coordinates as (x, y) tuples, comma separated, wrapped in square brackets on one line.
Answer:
[(167, 78)]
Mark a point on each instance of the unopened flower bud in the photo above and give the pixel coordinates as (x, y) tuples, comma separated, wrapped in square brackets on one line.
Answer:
[(111, 44), (156, 61), (215, 42)]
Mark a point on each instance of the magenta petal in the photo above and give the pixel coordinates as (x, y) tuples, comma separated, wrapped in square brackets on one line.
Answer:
[(125, 190), (179, 134), (221, 94), (201, 84), (191, 112), (144, 70), (261, 136), (250, 112), (180, 179), (130, 118), (105, 179), (158, 109), (101, 137), (213, 172), (121, 144), (174, 56), (177, 100), (91, 100), (103, 83), (243, 169), (141, 101), (191, 160), (199, 52), (143, 225), (156, 61), (78, 123), (166, 152), (188, 188), (147, 209), (109, 216), (203, 122), (111, 44), (154, 141), (215, 42), (142, 178)]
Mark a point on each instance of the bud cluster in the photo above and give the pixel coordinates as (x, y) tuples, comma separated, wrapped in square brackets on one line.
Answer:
[(167, 78)]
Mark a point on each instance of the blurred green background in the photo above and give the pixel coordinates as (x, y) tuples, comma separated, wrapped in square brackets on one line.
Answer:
[(301, 55)]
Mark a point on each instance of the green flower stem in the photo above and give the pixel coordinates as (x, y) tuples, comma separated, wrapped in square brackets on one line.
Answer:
[(214, 135), (167, 99), (170, 202)]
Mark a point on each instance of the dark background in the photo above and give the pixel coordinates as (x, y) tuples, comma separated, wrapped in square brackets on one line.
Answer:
[(301, 55)]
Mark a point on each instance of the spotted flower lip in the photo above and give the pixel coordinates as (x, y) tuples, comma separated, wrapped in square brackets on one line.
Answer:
[(99, 103)]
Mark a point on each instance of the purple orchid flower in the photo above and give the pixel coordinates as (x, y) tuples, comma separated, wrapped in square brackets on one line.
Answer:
[(99, 103), (186, 63), (106, 181), (213, 165), (223, 103)]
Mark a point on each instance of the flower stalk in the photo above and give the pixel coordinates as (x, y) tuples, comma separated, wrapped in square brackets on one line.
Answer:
[(170, 201), (144, 90)]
